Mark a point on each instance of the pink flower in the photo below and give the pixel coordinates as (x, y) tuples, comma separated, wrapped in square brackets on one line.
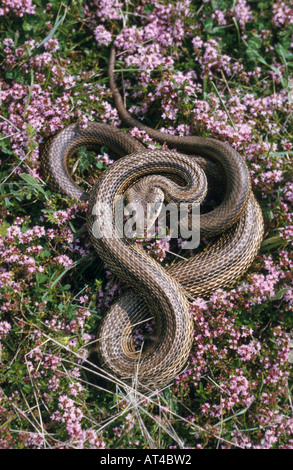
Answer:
[(64, 260), (242, 12), (248, 351), (4, 328), (52, 45), (18, 7), (282, 14), (102, 36)]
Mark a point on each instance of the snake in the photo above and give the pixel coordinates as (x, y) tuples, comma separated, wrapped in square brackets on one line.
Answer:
[(193, 169)]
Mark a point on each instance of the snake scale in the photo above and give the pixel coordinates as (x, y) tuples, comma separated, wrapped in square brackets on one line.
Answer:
[(198, 165)]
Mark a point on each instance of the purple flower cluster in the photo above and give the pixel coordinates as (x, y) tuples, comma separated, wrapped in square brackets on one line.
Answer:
[(102, 36), (282, 14), (18, 7)]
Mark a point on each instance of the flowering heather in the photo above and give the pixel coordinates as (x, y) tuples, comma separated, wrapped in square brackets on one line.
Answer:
[(216, 69)]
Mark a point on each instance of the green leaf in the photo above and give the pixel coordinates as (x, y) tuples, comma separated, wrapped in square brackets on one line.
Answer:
[(280, 294), (45, 253), (73, 265), (66, 287), (41, 278), (53, 30), (272, 242), (149, 8), (277, 154), (208, 24), (100, 165), (26, 26), (268, 214), (224, 106), (255, 42), (72, 227), (3, 228), (284, 53), (5, 149), (29, 95), (64, 340), (158, 146), (31, 181)]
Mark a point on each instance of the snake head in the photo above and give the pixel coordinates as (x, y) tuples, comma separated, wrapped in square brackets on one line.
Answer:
[(143, 204)]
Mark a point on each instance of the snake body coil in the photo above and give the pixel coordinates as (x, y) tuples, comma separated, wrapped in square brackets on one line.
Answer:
[(154, 292)]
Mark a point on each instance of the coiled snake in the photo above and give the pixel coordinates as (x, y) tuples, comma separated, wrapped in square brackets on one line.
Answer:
[(162, 294)]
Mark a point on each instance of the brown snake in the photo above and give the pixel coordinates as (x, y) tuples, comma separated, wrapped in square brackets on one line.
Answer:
[(155, 292)]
